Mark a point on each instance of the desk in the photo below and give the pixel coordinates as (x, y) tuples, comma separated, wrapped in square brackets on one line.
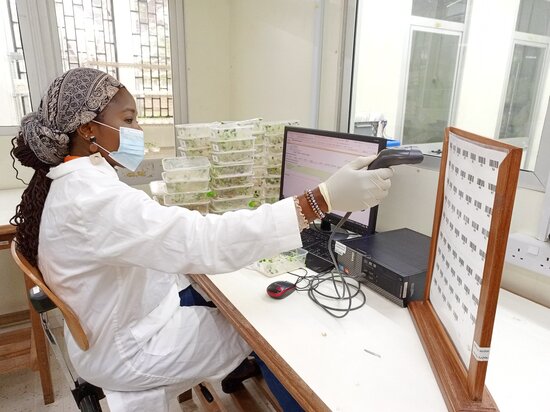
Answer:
[(9, 199), (323, 362)]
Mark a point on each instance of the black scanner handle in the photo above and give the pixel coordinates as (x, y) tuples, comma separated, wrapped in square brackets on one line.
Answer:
[(394, 157)]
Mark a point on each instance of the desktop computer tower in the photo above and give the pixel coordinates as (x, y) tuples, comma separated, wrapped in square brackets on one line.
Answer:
[(393, 263)]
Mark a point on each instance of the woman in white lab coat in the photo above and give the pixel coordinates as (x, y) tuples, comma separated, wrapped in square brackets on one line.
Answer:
[(119, 259)]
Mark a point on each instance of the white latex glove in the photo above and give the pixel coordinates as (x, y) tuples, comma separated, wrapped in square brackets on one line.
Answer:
[(353, 187)]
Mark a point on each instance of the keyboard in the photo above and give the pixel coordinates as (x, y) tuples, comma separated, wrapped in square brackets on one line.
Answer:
[(320, 250), (311, 237)]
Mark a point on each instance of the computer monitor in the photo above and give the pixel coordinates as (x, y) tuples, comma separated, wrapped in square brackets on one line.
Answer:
[(310, 156)]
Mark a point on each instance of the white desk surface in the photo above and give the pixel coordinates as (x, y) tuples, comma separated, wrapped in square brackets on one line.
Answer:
[(328, 354), (9, 199)]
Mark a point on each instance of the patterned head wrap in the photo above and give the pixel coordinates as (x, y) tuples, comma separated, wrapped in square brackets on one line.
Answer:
[(73, 99)]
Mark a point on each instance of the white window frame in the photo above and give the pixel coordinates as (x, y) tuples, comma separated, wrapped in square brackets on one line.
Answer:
[(38, 25), (40, 48), (451, 30), (535, 179)]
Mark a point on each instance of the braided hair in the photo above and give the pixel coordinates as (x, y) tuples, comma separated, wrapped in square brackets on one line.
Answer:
[(29, 212), (73, 99)]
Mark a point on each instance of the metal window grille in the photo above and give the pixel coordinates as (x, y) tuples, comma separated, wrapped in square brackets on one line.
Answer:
[(86, 32), (150, 31)]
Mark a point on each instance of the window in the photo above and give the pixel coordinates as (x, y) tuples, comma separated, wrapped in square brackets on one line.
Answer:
[(521, 115), (128, 39), (452, 63), (430, 86), (151, 41), (14, 92), (449, 10)]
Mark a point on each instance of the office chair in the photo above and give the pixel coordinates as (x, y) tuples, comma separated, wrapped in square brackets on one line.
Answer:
[(43, 300)]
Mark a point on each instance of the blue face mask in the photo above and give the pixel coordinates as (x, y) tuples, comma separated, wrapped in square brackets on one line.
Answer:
[(131, 148)]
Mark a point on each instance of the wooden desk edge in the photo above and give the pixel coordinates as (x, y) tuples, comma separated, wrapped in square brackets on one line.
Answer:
[(286, 375)]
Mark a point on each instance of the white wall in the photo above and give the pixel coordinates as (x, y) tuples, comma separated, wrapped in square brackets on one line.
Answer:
[(248, 59), (208, 53), (331, 64), (271, 59)]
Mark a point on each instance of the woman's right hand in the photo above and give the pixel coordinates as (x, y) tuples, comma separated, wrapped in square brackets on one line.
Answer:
[(353, 187)]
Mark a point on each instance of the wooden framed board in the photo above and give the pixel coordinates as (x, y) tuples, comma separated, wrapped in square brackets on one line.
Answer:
[(475, 198)]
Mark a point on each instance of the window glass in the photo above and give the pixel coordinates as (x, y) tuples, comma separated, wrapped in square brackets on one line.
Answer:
[(422, 73), (151, 41), (534, 17), (449, 10), (430, 86), (130, 40), (523, 84), (14, 88)]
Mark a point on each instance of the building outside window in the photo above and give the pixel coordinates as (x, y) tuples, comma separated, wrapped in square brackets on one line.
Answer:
[(128, 39), (521, 113), (14, 89)]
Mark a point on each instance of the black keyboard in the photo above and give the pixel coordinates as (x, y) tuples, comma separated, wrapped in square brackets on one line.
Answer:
[(312, 236), (320, 250)]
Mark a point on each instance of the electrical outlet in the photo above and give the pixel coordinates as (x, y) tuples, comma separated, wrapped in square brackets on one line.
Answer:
[(529, 253)]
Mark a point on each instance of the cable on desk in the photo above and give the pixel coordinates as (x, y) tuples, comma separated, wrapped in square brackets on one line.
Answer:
[(346, 287)]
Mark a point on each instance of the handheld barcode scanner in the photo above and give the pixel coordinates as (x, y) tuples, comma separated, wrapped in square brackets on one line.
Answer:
[(394, 157)]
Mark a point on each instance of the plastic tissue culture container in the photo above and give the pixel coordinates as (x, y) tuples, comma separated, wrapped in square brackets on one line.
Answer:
[(197, 151), (186, 197), (232, 181), (231, 132), (194, 129), (178, 186), (193, 142), (282, 263), (231, 192), (278, 127), (238, 156), (185, 168), (239, 169), (222, 145)]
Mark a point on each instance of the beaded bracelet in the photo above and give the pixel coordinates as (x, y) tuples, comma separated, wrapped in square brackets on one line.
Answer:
[(313, 204)]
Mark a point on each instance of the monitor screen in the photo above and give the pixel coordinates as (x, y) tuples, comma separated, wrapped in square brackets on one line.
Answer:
[(311, 156)]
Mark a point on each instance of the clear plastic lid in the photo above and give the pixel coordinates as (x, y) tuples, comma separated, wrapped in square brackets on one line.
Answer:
[(178, 163), (194, 129), (278, 126), (231, 131)]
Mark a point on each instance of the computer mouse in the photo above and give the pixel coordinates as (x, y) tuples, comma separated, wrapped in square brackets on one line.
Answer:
[(280, 289)]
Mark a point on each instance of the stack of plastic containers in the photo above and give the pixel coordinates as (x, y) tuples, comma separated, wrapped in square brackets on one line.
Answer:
[(260, 170), (185, 183), (274, 137), (193, 139), (232, 170)]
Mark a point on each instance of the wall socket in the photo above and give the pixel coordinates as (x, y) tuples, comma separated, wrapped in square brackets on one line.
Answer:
[(529, 253)]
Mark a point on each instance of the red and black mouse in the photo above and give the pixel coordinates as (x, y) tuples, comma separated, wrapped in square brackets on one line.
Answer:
[(280, 289)]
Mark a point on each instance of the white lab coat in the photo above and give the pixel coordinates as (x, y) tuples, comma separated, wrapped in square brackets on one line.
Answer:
[(118, 259)]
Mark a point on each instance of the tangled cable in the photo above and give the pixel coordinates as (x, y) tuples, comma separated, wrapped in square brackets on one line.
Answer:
[(345, 287)]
